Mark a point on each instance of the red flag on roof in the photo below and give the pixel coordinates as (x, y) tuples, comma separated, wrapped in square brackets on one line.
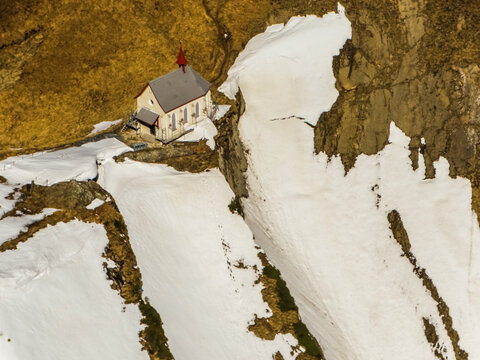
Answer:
[(181, 61)]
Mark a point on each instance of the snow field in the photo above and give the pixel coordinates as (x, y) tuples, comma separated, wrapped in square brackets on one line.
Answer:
[(56, 303), (46, 168), (94, 204), (328, 233), (187, 244), (221, 111)]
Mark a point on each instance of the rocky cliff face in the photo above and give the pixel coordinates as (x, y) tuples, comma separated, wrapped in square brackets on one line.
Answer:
[(411, 62), (414, 63)]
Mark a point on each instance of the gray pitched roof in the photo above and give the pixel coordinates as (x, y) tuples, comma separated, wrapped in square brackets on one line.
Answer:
[(147, 116), (178, 88)]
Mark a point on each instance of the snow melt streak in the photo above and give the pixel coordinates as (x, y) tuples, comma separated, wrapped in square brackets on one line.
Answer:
[(328, 233)]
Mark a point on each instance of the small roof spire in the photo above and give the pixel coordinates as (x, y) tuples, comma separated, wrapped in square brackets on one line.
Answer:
[(181, 61)]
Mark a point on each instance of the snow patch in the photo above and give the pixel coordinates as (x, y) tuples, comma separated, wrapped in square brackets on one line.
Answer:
[(104, 125), (221, 111), (95, 203), (305, 90), (6, 204), (203, 129)]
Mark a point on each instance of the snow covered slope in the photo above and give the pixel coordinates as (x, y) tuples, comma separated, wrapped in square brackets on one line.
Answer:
[(328, 233), (197, 259), (56, 303)]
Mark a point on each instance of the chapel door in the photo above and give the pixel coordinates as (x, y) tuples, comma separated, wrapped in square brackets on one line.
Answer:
[(174, 122), (185, 116)]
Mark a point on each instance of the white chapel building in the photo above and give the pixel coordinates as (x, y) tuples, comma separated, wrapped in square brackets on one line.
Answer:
[(169, 104)]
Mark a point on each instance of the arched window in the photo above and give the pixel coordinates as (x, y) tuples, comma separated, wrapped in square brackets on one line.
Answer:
[(150, 101), (197, 109), (174, 123), (185, 116)]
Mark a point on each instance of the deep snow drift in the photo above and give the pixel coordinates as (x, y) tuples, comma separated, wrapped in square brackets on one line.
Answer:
[(56, 303), (197, 260), (328, 233)]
